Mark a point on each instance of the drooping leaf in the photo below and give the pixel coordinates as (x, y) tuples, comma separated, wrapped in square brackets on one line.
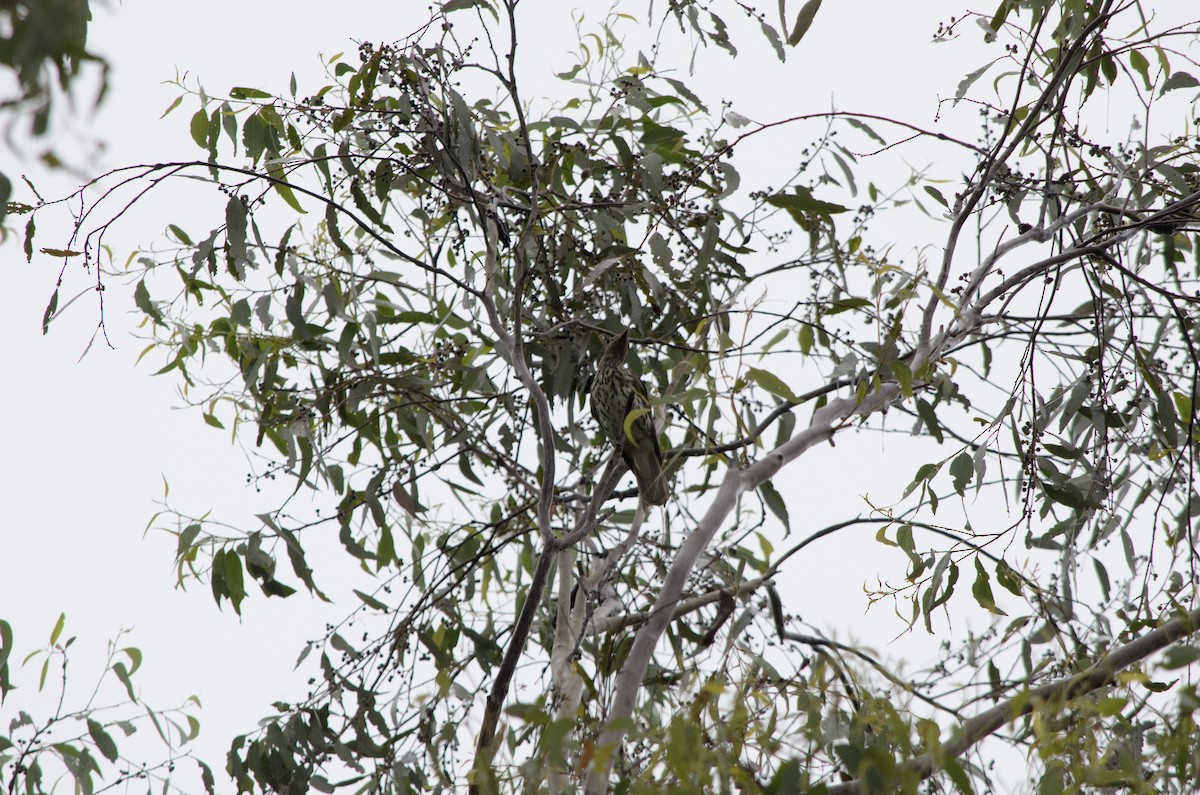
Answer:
[(804, 20), (104, 742), (774, 501), (982, 590)]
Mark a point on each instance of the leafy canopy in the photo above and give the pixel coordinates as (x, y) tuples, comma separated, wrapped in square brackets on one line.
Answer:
[(408, 273)]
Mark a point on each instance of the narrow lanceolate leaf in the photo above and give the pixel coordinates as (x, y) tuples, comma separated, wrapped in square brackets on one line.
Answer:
[(284, 189), (801, 205), (123, 675), (235, 228), (58, 628), (927, 415), (239, 92), (172, 106), (405, 500), (774, 501), (846, 305), (371, 601), (6, 638), (937, 196), (903, 375), (804, 20), (772, 383), (48, 314), (30, 230), (936, 595), (965, 85), (924, 473)]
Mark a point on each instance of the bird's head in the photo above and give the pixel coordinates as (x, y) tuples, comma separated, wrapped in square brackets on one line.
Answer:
[(618, 345)]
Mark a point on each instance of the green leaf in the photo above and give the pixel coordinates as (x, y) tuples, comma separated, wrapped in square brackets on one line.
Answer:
[(199, 128), (461, 5), (1178, 80), (186, 538), (935, 595), (954, 770), (804, 20), (206, 778), (48, 314), (847, 304), (172, 106), (937, 196), (903, 375), (1102, 577), (284, 189), (335, 235), (229, 123), (102, 740), (775, 503), (963, 87), (805, 338), (135, 658), (1180, 656), (30, 230), (235, 228), (924, 473), (982, 590), (630, 419), (1008, 578), (904, 537), (772, 383), (927, 415), (1141, 66), (1063, 451), (248, 93), (6, 638), (58, 628), (123, 674), (961, 470), (787, 779), (802, 206), (1183, 405), (371, 601), (234, 582), (180, 234), (1067, 494), (874, 136), (141, 299)]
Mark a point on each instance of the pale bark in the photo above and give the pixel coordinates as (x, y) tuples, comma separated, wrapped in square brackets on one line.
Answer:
[(1098, 676)]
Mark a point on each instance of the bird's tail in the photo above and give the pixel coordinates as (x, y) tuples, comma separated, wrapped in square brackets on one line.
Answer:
[(648, 470)]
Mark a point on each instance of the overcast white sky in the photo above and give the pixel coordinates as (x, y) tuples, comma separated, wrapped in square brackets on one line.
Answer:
[(88, 443)]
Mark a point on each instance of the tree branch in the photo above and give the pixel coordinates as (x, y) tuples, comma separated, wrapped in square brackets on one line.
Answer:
[(825, 423), (1098, 676)]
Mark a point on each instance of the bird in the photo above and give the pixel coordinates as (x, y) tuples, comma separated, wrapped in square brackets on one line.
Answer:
[(615, 392)]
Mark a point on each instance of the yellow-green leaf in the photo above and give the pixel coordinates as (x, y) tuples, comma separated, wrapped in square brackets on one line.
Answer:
[(772, 383)]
